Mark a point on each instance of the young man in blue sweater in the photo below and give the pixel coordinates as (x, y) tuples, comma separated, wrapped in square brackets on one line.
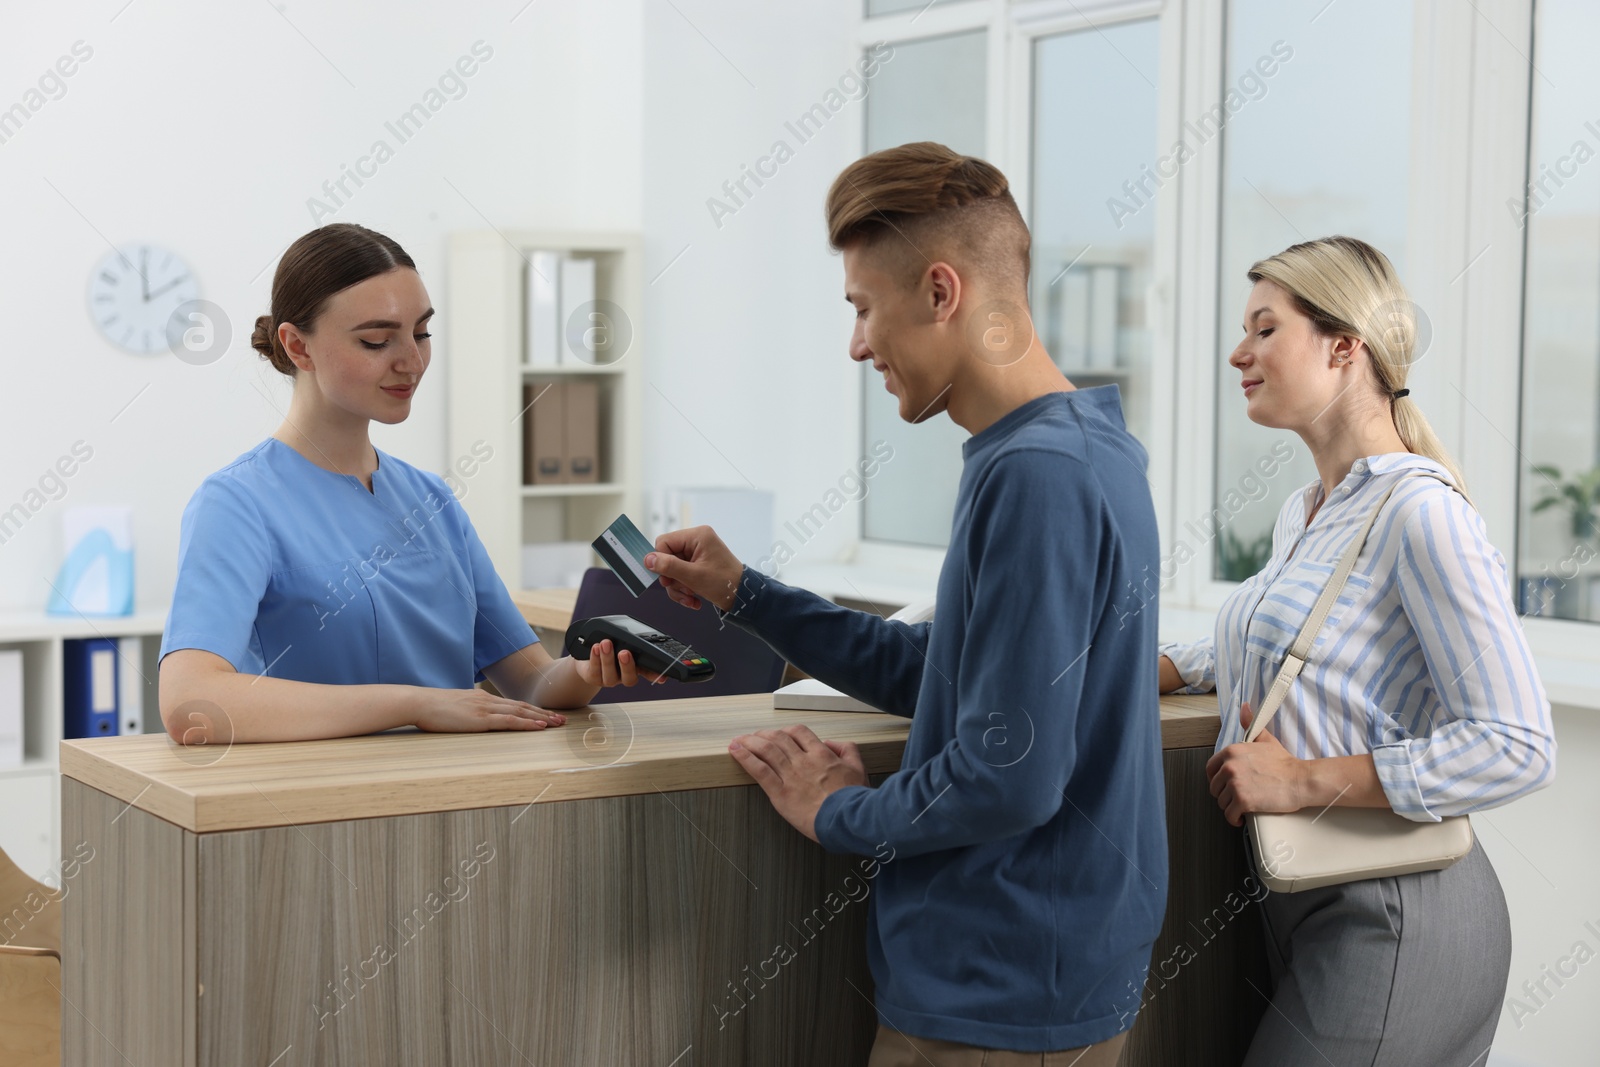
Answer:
[(1028, 876)]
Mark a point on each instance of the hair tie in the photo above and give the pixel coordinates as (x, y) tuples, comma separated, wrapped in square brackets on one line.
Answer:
[(1399, 394)]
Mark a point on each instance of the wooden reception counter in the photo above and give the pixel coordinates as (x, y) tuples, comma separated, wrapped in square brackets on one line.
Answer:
[(612, 892)]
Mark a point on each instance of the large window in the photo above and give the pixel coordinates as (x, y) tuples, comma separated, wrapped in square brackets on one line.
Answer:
[(1092, 212), (1558, 545), (934, 90), (1315, 142), (1159, 147), (1094, 187)]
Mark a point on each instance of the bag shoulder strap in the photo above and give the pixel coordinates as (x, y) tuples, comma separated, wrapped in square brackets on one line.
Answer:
[(1296, 659)]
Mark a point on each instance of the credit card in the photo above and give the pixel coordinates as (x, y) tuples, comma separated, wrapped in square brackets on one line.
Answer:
[(623, 548)]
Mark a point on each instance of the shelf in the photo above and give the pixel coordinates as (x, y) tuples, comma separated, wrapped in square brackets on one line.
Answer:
[(488, 370), (570, 368), (561, 490), (30, 833), (16, 626)]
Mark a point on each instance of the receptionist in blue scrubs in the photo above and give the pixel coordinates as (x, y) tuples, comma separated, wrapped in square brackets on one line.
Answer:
[(327, 589)]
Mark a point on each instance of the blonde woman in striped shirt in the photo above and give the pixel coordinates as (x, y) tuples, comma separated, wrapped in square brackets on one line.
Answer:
[(1420, 693)]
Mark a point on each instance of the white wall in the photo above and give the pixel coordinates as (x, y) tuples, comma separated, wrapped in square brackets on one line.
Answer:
[(1544, 849), (749, 377), (205, 128)]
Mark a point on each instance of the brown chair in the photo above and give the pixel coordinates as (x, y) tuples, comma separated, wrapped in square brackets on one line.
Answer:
[(30, 970)]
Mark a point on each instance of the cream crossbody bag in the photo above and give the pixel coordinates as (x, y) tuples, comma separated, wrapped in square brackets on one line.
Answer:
[(1307, 849)]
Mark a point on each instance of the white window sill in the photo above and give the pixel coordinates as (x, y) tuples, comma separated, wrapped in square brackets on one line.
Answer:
[(887, 588), (1570, 683)]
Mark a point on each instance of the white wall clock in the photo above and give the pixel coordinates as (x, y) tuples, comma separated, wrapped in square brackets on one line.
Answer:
[(134, 291)]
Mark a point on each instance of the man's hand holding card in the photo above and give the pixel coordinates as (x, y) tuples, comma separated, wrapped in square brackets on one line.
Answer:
[(695, 565)]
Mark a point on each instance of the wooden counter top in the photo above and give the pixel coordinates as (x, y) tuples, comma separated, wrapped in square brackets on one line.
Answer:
[(606, 750), (548, 608)]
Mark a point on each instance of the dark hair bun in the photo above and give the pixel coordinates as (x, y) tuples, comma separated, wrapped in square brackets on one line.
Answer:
[(265, 341)]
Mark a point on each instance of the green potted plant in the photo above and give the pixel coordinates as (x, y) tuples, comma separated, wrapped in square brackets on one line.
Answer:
[(1580, 496), (1238, 559)]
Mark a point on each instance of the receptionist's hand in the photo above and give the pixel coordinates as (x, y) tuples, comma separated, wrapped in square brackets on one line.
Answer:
[(607, 667), (798, 770), (476, 710), (695, 565)]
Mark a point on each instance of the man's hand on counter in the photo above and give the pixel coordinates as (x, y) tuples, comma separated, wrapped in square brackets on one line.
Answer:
[(695, 565), (798, 770)]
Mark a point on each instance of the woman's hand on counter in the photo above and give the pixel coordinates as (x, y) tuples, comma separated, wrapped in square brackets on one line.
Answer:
[(475, 710), (798, 770), (695, 565)]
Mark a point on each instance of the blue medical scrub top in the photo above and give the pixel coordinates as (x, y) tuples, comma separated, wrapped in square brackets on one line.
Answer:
[(290, 570)]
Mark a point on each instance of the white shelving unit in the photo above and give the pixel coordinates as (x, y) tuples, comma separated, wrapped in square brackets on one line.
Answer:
[(30, 826), (487, 370)]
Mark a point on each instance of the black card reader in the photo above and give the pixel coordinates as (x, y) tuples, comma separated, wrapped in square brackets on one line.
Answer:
[(652, 650)]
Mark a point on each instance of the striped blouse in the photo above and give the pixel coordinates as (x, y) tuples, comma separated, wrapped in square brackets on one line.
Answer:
[(1422, 661)]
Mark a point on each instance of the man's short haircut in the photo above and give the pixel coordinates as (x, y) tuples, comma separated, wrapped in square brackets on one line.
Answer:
[(923, 202)]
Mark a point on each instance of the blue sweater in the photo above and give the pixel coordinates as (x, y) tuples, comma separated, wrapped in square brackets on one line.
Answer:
[(1021, 872)]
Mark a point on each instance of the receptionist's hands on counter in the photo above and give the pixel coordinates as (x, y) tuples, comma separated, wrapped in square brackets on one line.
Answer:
[(564, 682), (205, 701), (793, 766)]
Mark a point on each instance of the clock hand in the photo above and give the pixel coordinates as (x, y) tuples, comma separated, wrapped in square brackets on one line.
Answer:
[(144, 277), (179, 280)]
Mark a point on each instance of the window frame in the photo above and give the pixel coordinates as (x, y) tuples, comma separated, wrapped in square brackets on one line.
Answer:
[(1471, 85), (1008, 136)]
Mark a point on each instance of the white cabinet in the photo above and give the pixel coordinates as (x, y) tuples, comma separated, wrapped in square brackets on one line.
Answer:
[(30, 794), (29, 822)]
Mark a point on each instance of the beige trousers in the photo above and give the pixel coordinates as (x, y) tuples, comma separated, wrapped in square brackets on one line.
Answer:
[(894, 1049)]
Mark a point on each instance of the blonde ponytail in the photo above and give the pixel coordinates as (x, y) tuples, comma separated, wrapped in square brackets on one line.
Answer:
[(1417, 433)]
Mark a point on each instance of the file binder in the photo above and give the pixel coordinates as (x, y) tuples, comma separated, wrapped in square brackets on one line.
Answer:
[(544, 433), (10, 707), (90, 687), (130, 685), (544, 347), (580, 410)]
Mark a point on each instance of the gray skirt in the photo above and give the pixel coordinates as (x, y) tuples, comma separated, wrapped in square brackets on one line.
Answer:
[(1387, 972)]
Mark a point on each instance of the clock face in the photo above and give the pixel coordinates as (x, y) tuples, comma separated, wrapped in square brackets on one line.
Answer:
[(134, 291)]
